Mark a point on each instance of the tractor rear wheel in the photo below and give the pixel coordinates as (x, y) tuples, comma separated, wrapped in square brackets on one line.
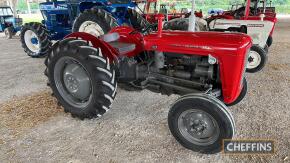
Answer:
[(200, 122), (136, 20), (81, 78), (35, 39), (8, 32), (94, 21), (257, 59)]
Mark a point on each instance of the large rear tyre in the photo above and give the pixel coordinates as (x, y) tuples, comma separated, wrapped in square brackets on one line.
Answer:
[(94, 21), (257, 59), (136, 20), (200, 122), (269, 41), (81, 78), (35, 39), (182, 24)]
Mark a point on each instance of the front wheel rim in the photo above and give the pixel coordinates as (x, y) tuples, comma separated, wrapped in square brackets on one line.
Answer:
[(92, 28), (198, 127), (73, 82), (33, 46), (254, 60)]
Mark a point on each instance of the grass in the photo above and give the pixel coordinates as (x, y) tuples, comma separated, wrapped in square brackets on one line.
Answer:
[(31, 18)]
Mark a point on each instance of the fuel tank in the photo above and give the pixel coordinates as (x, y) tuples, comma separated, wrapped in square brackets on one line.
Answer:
[(197, 42)]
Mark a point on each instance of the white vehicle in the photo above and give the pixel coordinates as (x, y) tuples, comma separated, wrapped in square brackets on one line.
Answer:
[(259, 30)]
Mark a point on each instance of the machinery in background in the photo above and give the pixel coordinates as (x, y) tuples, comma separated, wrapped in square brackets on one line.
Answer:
[(62, 17), (8, 23)]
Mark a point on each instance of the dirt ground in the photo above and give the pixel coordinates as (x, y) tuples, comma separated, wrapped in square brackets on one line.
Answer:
[(34, 129)]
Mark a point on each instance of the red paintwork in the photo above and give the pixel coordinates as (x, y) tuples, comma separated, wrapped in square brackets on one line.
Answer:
[(229, 48), (105, 47)]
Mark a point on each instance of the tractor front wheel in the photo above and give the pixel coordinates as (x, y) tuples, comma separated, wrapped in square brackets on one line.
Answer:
[(257, 59), (8, 32), (81, 78), (269, 41), (35, 39), (94, 21), (200, 122)]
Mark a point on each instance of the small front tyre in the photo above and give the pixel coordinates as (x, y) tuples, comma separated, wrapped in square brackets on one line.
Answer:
[(35, 39), (200, 122), (8, 32), (257, 59), (81, 78)]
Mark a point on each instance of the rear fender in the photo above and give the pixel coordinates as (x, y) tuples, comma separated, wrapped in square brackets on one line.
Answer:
[(107, 49)]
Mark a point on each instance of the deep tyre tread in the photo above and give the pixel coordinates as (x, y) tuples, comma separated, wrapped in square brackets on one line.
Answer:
[(137, 21), (211, 106), (263, 56), (104, 85), (43, 36), (177, 24), (103, 18)]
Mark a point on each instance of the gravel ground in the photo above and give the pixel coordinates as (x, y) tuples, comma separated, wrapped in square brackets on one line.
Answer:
[(135, 130)]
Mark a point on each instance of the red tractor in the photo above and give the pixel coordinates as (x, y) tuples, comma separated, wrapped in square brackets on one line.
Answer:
[(207, 68), (150, 10), (252, 10)]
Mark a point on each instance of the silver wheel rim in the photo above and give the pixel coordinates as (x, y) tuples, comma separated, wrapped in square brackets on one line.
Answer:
[(254, 60), (198, 127), (92, 28), (29, 35), (73, 82)]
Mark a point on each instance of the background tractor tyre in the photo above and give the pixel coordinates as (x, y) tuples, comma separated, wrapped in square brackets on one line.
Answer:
[(242, 94), (200, 122), (269, 41), (137, 21), (182, 25), (94, 21), (177, 24), (35, 39), (257, 59), (8, 32), (81, 78)]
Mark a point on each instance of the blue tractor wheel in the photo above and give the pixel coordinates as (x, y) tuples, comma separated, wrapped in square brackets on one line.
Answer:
[(94, 21), (8, 32), (35, 39)]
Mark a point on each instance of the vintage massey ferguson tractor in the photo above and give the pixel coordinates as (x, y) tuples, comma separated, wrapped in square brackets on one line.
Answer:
[(62, 17), (8, 23), (251, 10), (207, 68), (259, 30)]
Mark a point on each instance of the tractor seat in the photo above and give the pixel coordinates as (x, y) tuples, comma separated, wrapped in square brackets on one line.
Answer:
[(123, 47), (110, 37)]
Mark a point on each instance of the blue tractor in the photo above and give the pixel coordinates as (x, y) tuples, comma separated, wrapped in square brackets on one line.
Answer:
[(96, 17), (8, 23)]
